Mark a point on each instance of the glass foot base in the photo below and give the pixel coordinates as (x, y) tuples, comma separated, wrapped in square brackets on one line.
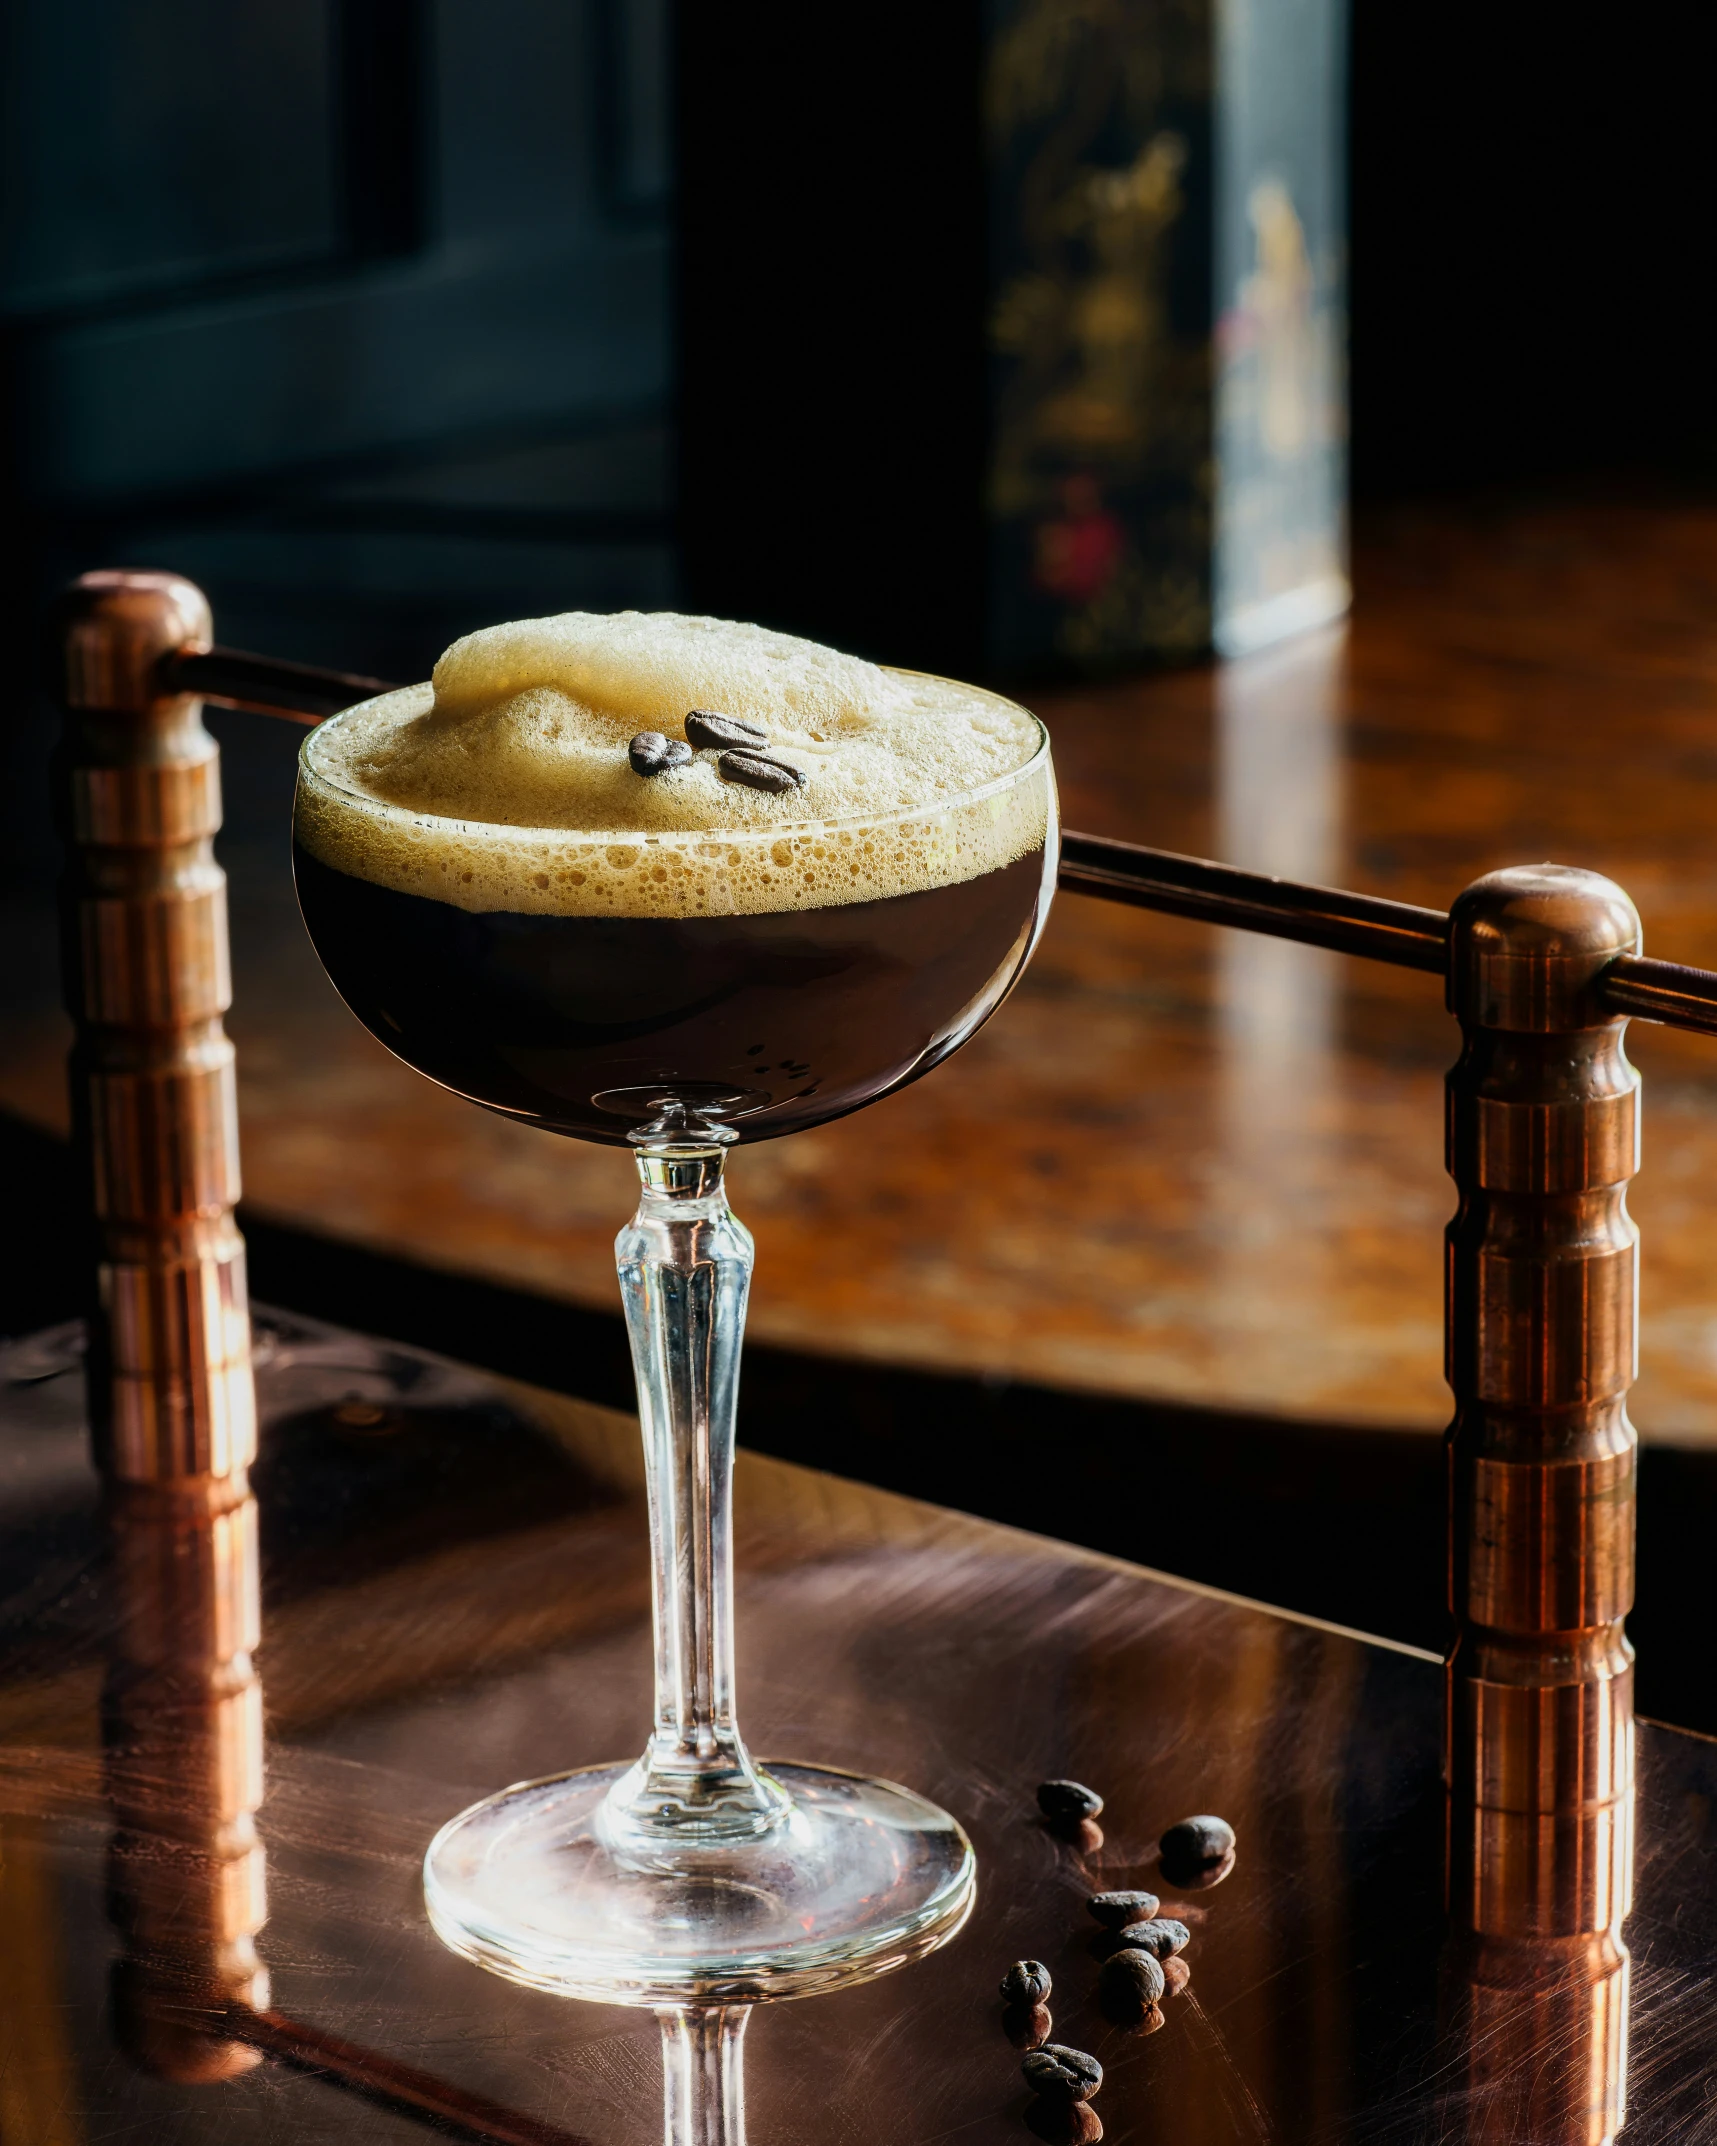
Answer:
[(861, 1877)]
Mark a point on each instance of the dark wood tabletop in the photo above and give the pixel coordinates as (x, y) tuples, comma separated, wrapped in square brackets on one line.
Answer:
[(455, 1596), (1180, 1166)]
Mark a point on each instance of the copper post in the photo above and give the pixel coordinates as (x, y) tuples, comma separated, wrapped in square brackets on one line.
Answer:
[(182, 1731), (172, 1406), (1543, 1137)]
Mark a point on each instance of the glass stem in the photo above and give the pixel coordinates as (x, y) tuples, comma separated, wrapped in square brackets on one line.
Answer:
[(685, 1271), (703, 2075)]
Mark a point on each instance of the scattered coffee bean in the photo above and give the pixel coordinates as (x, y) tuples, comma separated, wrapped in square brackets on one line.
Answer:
[(721, 730), (1062, 2074), (1067, 1801), (1162, 1936), (1027, 2026), (1133, 1975), (1063, 2123), (1195, 1843), (1026, 1982), (1187, 1880), (758, 771), (1115, 1910), (1176, 1975), (652, 754)]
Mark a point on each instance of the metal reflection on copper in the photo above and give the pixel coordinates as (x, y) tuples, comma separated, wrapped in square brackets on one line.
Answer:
[(147, 984), (182, 1730), (171, 1399), (1536, 1975), (1543, 1139)]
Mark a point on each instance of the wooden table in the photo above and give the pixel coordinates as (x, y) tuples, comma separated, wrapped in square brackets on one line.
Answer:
[(455, 1595), (1180, 1166)]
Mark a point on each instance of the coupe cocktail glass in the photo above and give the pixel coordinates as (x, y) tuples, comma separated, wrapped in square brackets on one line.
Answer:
[(694, 1872)]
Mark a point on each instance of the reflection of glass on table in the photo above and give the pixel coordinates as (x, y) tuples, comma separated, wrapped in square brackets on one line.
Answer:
[(694, 1871)]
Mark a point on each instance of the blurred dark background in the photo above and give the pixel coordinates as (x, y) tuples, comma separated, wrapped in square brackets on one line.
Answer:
[(1533, 207), (365, 314)]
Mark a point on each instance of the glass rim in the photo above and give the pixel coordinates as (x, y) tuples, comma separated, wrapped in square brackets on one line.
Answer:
[(773, 831)]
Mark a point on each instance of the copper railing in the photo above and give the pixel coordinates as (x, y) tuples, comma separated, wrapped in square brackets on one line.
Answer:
[(1542, 969), (171, 1396)]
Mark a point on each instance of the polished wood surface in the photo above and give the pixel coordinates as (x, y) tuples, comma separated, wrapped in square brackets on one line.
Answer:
[(1180, 1164), (455, 1593)]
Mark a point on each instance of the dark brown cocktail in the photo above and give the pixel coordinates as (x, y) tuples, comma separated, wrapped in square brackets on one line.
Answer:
[(581, 1024)]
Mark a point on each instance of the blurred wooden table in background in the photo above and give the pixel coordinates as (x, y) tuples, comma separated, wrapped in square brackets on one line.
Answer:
[(1180, 1165)]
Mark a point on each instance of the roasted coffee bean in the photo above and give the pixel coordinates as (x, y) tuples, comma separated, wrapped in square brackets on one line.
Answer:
[(1162, 1936), (652, 754), (1062, 2074), (1063, 2123), (1115, 1910), (1067, 1801), (1176, 1974), (758, 771), (1185, 1880), (1131, 1974), (723, 730), (1195, 1843), (1026, 1982), (1027, 2026)]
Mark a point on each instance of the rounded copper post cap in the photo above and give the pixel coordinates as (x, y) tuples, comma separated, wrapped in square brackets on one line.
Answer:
[(114, 627), (1527, 945)]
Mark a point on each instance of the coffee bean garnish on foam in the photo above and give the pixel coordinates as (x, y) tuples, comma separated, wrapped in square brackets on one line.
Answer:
[(722, 731), (760, 771), (652, 754), (740, 746)]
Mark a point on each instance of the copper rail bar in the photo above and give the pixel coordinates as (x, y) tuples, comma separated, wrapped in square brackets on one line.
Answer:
[(1363, 924), (1663, 991), (1398, 933), (265, 685), (1368, 925)]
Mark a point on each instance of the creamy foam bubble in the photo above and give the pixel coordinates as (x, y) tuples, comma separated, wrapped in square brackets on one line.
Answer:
[(505, 784)]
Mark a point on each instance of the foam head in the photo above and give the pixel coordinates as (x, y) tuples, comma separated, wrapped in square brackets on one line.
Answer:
[(505, 783)]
